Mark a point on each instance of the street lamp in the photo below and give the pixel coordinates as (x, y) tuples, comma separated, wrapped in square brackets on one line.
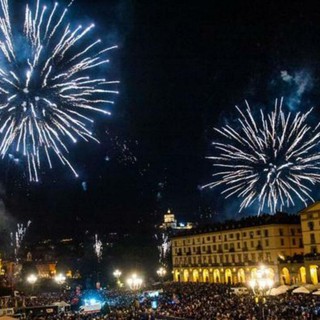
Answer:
[(117, 274), (134, 282), (260, 284), (32, 279), (161, 273), (60, 279)]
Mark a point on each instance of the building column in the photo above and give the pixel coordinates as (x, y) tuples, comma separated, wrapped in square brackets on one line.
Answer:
[(200, 275), (308, 275), (247, 273)]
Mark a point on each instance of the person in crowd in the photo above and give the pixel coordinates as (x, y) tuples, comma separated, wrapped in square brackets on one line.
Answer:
[(183, 301)]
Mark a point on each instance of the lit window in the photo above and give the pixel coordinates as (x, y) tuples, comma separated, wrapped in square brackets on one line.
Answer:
[(311, 225), (300, 243), (312, 238)]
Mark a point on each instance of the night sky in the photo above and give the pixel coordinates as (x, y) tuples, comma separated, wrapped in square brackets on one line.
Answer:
[(183, 66)]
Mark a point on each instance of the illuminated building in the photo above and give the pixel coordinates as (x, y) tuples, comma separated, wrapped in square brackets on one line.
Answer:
[(231, 252), (310, 225), (1, 268), (170, 222), (165, 231), (46, 269), (9, 268)]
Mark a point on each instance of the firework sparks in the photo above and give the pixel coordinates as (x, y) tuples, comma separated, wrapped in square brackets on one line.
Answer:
[(98, 247), (271, 161), (164, 248), (47, 85), (18, 236), (123, 148)]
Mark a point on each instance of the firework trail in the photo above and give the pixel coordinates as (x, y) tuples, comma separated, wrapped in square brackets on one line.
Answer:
[(18, 237), (98, 247), (164, 248), (48, 84), (271, 160)]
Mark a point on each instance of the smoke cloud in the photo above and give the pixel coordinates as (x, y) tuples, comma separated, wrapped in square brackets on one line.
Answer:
[(299, 83)]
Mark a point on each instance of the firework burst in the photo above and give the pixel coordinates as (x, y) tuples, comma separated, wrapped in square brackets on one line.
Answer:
[(271, 160), (18, 236), (98, 247), (164, 248), (48, 84)]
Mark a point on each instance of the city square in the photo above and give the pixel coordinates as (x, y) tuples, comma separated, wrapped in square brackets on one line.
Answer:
[(159, 160)]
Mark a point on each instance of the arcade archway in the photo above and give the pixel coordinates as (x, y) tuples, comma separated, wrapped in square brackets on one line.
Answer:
[(185, 275), (216, 276), (195, 275), (285, 276), (205, 275), (228, 276)]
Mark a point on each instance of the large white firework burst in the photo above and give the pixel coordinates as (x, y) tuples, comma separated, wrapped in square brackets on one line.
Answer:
[(272, 160), (48, 84)]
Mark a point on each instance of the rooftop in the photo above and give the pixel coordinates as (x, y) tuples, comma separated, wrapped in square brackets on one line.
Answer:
[(253, 221)]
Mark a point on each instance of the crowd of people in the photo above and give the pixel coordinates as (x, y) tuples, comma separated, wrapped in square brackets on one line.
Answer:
[(216, 301), (188, 301), (21, 301)]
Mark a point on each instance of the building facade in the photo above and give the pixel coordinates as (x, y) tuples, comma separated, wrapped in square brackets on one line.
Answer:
[(310, 225), (170, 222), (232, 252)]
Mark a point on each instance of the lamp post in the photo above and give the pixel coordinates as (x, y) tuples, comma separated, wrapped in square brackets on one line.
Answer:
[(161, 273), (260, 284), (60, 279), (32, 279), (117, 274), (134, 282)]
